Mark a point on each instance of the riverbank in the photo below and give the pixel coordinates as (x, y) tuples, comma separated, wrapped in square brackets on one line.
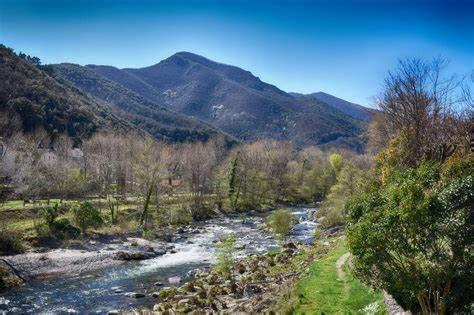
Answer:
[(258, 283), (91, 277)]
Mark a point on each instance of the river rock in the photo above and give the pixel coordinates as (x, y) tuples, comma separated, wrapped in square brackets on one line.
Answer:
[(166, 293), (240, 247), (159, 307), (183, 301), (159, 284), (135, 295), (131, 256), (290, 245), (148, 248), (174, 280), (251, 289), (247, 221)]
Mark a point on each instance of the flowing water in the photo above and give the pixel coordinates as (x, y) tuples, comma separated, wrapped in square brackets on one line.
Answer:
[(95, 292)]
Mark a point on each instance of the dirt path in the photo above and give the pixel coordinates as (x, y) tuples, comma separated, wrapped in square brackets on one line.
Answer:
[(339, 263), (392, 306)]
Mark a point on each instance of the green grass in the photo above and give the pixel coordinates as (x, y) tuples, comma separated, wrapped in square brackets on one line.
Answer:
[(322, 292)]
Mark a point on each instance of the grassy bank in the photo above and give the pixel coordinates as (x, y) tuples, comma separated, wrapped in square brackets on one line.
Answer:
[(323, 291)]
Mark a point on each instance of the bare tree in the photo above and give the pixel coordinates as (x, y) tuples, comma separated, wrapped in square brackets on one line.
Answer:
[(420, 102), (199, 161), (148, 173)]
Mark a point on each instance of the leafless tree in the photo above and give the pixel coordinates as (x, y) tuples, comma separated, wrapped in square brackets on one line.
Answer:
[(199, 160), (420, 102)]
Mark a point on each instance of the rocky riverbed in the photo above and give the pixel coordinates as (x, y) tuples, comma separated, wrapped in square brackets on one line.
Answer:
[(128, 273), (256, 285)]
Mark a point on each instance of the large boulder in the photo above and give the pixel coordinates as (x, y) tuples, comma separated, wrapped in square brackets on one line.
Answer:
[(121, 255)]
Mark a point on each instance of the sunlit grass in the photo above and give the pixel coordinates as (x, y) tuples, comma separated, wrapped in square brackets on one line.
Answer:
[(321, 290)]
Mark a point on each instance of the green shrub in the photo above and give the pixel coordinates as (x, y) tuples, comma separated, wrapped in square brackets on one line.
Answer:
[(225, 257), (415, 231), (280, 222), (63, 229), (10, 242), (49, 214), (86, 216)]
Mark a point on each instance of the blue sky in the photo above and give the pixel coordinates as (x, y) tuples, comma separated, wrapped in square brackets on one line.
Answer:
[(341, 47)]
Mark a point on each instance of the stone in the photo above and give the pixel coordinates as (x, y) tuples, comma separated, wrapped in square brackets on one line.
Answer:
[(148, 248), (159, 308), (166, 293), (121, 255), (113, 312), (159, 284), (183, 301), (250, 290), (188, 287), (135, 295), (174, 280), (290, 245)]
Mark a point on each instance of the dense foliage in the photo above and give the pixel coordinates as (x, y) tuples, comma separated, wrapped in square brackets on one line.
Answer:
[(410, 226), (416, 233)]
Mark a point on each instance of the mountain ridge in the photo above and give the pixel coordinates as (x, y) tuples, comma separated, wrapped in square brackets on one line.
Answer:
[(157, 120), (236, 101)]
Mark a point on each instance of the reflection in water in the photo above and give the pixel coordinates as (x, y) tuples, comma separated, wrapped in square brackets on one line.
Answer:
[(102, 291)]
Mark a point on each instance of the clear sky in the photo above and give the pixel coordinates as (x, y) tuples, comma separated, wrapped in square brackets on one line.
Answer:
[(344, 48)]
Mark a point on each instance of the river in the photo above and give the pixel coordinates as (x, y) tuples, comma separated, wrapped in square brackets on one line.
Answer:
[(104, 290)]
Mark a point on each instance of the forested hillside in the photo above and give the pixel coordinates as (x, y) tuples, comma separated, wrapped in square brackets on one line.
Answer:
[(30, 99)]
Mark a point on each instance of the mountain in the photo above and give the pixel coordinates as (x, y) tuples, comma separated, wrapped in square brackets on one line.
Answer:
[(351, 109), (160, 122), (238, 102), (30, 99)]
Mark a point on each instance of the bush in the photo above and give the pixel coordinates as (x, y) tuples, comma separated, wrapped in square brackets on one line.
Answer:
[(10, 242), (225, 257), (63, 229), (49, 214), (280, 222), (415, 232), (86, 216)]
